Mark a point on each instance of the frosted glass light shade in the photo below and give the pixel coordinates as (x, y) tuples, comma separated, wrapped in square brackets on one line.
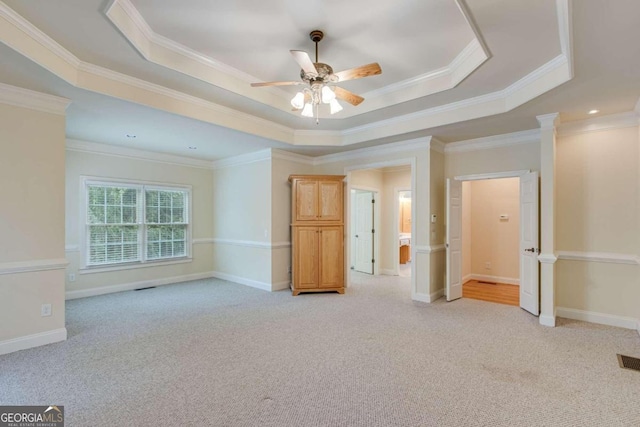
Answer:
[(335, 106), (327, 95), (307, 111), (297, 101)]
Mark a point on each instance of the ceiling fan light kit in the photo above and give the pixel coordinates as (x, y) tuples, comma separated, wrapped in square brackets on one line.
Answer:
[(321, 82)]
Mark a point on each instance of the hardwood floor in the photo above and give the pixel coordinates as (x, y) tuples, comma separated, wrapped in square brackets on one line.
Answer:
[(500, 292)]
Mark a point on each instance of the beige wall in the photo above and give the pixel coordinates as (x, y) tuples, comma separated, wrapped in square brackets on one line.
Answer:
[(493, 240), (438, 230), (502, 159), (31, 224), (81, 164), (598, 212), (392, 179)]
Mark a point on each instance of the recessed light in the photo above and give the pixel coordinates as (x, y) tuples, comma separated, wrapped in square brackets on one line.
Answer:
[(193, 147), (130, 135), (594, 111)]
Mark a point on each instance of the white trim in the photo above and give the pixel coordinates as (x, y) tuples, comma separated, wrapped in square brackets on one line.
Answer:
[(243, 159), (247, 282), (108, 268), (387, 272), (438, 248), (547, 258), (466, 278), (33, 340), (422, 249), (33, 266), (638, 326), (72, 248), (606, 257), (281, 286), (493, 175), (602, 123), (25, 98), (292, 157), (103, 290), (428, 298), (548, 121), (202, 241), (251, 243), (437, 145), (134, 153), (497, 279), (495, 141), (377, 151), (594, 317), (546, 320)]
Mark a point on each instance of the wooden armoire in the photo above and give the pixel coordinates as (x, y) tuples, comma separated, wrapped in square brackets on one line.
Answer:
[(317, 233)]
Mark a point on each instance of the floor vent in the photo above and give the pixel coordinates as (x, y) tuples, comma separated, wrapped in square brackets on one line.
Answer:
[(142, 289), (629, 362)]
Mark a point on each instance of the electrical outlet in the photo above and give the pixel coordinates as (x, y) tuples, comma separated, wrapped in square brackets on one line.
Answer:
[(487, 266), (72, 277), (45, 310)]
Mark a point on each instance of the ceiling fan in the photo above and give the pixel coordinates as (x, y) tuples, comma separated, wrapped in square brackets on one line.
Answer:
[(320, 81)]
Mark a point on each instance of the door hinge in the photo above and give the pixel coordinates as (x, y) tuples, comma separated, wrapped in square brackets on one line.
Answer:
[(373, 200), (373, 261), (373, 230)]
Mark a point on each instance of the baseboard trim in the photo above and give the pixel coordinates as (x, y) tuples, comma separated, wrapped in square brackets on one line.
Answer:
[(387, 272), (547, 320), (281, 286), (34, 340), (466, 278), (638, 326), (83, 293), (428, 298), (601, 318), (244, 281), (497, 279)]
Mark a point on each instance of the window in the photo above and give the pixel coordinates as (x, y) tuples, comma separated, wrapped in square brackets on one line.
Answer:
[(134, 223)]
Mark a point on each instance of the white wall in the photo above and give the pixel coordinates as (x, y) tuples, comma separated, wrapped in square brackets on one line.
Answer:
[(31, 227), (81, 163)]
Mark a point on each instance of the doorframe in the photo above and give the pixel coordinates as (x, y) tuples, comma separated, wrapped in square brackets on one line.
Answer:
[(376, 224), (396, 220), (399, 162), (496, 175)]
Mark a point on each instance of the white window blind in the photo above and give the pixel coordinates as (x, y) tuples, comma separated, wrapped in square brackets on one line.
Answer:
[(130, 223)]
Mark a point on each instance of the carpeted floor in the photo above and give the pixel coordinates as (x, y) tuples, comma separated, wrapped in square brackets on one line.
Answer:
[(215, 353)]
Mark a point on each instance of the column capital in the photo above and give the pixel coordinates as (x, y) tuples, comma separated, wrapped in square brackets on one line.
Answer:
[(548, 121)]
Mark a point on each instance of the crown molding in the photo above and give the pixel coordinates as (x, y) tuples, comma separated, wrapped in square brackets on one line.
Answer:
[(134, 153), (379, 150), (489, 142), (603, 123), (25, 98), (437, 145), (564, 10), (243, 159), (292, 157)]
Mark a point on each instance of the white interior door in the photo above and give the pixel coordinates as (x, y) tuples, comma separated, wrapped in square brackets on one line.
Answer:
[(364, 232), (529, 238), (453, 289)]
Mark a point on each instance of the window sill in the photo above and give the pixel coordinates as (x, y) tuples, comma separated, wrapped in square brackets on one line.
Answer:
[(111, 268)]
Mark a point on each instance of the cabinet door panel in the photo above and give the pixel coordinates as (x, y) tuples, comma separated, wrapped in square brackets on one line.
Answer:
[(305, 262), (331, 257), (330, 200), (307, 201)]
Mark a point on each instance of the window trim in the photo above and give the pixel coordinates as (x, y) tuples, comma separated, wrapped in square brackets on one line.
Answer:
[(140, 186)]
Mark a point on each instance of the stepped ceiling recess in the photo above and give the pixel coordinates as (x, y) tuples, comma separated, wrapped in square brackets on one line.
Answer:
[(176, 73)]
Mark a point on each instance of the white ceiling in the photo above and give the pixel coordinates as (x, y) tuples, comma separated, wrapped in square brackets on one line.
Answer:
[(506, 56)]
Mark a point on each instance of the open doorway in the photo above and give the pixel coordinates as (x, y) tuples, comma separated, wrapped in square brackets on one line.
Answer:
[(382, 181), (490, 240), (528, 240), (404, 231)]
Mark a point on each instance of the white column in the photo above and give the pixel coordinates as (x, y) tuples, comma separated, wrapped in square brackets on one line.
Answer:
[(547, 255)]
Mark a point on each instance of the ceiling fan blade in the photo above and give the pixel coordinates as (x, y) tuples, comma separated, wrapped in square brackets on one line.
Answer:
[(359, 72), (276, 84), (345, 95), (305, 62)]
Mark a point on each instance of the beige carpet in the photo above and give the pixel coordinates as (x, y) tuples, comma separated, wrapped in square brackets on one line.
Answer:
[(215, 353)]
